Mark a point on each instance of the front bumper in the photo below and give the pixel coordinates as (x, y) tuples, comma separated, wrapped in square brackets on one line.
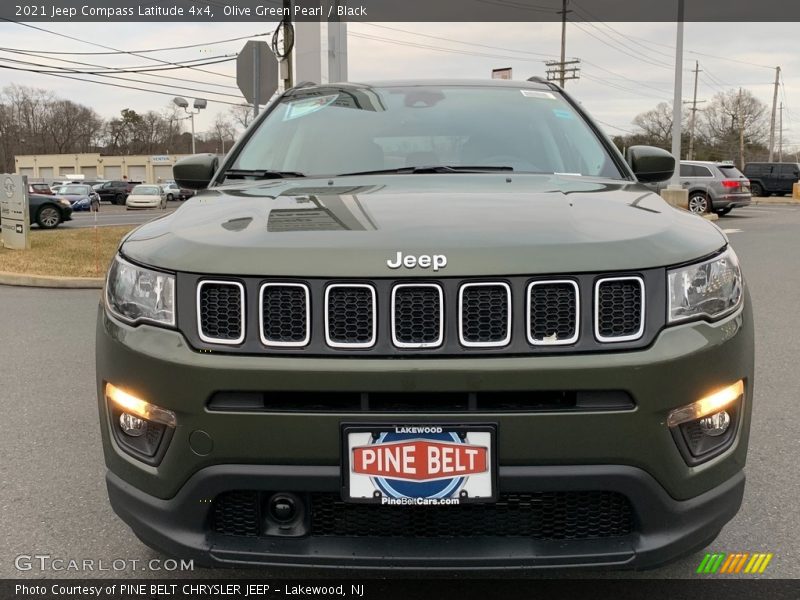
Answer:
[(666, 528), (677, 507)]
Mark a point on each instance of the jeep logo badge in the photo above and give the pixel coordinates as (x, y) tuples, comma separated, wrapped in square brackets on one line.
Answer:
[(423, 261)]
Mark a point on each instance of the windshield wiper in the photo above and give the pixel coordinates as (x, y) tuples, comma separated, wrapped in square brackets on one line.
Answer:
[(432, 169), (260, 174)]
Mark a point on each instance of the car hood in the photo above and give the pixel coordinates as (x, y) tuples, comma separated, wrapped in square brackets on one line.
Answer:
[(484, 225)]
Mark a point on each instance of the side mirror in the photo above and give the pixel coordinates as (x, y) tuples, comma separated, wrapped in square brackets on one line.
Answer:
[(650, 164), (195, 172)]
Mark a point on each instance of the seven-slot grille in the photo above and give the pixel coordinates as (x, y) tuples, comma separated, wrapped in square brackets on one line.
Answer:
[(417, 315), (619, 309), (444, 315), (285, 314), (220, 312)]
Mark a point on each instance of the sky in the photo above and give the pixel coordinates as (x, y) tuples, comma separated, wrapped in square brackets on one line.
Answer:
[(626, 68)]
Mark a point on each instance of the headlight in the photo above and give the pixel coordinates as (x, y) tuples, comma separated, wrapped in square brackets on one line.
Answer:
[(136, 294), (64, 202), (708, 289)]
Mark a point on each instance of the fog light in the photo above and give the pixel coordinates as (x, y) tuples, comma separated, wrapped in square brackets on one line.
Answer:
[(716, 424), (132, 426), (137, 407), (708, 405)]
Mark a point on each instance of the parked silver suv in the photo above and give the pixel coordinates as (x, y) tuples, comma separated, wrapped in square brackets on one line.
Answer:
[(713, 186)]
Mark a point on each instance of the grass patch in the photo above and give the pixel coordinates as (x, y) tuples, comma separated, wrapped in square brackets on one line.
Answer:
[(66, 252)]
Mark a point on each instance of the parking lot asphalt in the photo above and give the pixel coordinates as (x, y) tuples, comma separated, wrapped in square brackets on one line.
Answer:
[(53, 495)]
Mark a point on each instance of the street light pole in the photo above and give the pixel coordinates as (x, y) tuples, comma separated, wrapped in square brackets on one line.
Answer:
[(194, 151), (198, 104), (677, 102)]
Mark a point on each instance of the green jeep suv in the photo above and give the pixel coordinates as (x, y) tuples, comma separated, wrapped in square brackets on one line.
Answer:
[(426, 325)]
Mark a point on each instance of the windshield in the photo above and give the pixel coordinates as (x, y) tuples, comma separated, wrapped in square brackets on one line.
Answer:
[(74, 190), (145, 190), (340, 130)]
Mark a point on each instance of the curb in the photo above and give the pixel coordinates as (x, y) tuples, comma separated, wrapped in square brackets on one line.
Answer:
[(51, 281), (775, 202)]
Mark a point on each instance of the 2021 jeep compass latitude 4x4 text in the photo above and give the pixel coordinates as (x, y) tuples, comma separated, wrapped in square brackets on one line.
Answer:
[(403, 312)]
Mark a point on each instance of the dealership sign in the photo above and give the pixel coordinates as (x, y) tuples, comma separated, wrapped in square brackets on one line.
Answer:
[(160, 158), (14, 217)]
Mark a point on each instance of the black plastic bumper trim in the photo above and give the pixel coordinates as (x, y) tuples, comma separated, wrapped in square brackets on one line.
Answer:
[(666, 528)]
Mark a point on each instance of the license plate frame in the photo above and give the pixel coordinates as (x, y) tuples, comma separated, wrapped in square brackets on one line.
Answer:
[(467, 487)]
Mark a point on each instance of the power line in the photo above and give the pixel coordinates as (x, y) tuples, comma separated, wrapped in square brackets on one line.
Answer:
[(142, 70), (122, 69), (439, 48), (604, 81), (628, 131), (444, 39), (149, 50), (69, 37), (117, 85), (78, 72)]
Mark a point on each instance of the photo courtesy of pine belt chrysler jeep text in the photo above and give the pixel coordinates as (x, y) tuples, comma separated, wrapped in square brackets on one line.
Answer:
[(426, 325)]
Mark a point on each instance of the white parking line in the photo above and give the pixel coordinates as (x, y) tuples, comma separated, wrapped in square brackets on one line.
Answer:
[(731, 231)]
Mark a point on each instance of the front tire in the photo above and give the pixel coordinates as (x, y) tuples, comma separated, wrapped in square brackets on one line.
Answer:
[(699, 203), (48, 217), (170, 198)]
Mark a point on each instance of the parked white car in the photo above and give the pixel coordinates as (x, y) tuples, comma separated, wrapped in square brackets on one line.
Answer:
[(146, 196)]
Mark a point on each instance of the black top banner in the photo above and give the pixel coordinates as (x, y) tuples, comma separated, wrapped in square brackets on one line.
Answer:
[(732, 11)]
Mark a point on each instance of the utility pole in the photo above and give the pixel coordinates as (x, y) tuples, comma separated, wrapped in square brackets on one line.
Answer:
[(558, 69), (563, 38), (772, 119), (677, 103), (288, 45), (780, 134), (740, 118), (693, 118)]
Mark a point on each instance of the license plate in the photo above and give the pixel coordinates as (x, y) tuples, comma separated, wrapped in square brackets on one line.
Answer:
[(419, 464)]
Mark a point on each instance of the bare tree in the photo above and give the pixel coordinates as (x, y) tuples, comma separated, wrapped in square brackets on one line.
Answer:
[(735, 120), (223, 132), (242, 114), (656, 126)]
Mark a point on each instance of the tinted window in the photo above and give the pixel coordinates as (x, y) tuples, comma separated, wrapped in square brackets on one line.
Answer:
[(702, 171), (687, 171), (730, 172), (788, 170), (350, 129)]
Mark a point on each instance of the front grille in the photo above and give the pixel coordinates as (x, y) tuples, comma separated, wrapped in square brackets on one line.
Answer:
[(485, 314), (619, 309), (563, 515), (553, 309), (350, 316), (517, 315), (220, 312), (285, 314), (417, 316)]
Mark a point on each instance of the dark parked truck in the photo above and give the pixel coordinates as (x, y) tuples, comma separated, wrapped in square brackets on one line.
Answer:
[(426, 325)]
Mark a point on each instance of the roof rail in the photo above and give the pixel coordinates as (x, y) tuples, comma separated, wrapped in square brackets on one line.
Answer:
[(549, 84)]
